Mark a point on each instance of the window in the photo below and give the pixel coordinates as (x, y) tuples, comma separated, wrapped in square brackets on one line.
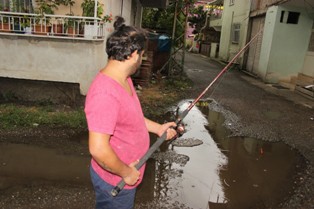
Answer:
[(231, 2), (4, 5), (17, 6), (290, 17), (235, 33), (293, 17)]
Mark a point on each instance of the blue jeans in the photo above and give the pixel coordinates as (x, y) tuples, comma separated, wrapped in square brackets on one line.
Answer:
[(104, 199)]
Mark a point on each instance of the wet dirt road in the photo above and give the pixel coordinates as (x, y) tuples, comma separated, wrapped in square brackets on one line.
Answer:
[(214, 171)]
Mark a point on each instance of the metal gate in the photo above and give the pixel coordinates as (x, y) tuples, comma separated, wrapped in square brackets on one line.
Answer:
[(205, 49), (255, 48)]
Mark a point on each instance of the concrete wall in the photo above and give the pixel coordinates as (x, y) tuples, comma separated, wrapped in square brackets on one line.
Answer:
[(284, 46), (130, 10), (237, 13), (266, 47), (51, 59)]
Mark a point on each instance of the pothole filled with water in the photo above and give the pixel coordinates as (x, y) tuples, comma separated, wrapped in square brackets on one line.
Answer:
[(218, 171)]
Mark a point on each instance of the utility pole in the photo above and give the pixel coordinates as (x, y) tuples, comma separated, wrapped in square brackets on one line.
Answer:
[(177, 56)]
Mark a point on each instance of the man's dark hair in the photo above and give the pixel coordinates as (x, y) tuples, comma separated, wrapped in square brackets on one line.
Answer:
[(124, 41)]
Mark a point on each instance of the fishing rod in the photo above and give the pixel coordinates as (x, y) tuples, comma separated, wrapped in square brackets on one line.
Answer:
[(115, 191)]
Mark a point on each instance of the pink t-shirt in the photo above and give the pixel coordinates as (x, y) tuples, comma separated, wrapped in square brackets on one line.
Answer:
[(111, 110)]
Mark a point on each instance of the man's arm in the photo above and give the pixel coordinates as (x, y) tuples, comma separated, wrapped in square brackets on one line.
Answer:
[(102, 152)]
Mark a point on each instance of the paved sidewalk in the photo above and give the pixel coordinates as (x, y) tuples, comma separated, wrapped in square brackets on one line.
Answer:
[(283, 92)]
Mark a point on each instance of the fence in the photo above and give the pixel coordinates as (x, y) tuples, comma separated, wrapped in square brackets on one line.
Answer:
[(56, 26)]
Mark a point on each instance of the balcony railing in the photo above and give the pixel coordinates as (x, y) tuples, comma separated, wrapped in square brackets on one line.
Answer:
[(54, 26)]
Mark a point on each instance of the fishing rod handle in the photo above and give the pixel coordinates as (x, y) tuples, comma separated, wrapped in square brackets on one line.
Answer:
[(116, 190)]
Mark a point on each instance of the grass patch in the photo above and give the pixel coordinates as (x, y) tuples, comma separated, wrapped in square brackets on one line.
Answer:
[(13, 116), (154, 99)]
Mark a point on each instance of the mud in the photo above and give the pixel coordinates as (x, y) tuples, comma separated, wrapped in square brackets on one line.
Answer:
[(189, 142), (170, 157)]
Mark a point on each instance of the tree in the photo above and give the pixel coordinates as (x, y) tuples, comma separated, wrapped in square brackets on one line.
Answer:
[(158, 19), (46, 6), (197, 18)]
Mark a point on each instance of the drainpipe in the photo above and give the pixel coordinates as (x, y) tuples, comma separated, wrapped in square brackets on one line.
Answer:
[(95, 16), (95, 9), (248, 36), (121, 7)]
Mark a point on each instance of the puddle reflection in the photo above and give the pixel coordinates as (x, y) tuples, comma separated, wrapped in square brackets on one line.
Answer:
[(223, 172), (18, 161), (259, 174)]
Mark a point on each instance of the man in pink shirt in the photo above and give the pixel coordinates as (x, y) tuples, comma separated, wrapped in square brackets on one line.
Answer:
[(118, 130)]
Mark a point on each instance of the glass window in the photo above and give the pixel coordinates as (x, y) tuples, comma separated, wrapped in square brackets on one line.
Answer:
[(16, 6), (236, 33)]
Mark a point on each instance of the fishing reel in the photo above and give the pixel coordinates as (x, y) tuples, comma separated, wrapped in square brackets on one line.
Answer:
[(180, 129)]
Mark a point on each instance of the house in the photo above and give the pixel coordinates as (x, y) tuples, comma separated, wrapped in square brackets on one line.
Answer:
[(234, 29), (283, 51), (57, 56), (208, 34), (212, 29)]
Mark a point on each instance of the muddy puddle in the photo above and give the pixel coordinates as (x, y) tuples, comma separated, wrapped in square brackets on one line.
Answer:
[(205, 168), (21, 164)]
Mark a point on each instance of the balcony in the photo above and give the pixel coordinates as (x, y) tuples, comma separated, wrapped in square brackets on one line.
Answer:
[(52, 26)]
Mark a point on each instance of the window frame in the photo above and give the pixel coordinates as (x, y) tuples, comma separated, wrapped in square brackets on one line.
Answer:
[(235, 34)]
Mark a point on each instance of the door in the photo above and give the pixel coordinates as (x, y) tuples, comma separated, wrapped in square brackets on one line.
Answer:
[(255, 47)]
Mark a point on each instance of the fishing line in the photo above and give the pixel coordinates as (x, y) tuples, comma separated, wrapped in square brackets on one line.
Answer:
[(219, 82), (225, 74)]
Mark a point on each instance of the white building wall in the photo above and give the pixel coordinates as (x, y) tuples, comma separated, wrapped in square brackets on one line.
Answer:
[(236, 13), (267, 41), (284, 46), (51, 60)]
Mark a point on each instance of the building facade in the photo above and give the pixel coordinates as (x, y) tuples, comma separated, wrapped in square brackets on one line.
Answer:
[(59, 57), (284, 49)]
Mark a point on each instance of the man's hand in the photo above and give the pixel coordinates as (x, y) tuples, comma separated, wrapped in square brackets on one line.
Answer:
[(105, 156), (170, 128), (159, 129), (133, 174)]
